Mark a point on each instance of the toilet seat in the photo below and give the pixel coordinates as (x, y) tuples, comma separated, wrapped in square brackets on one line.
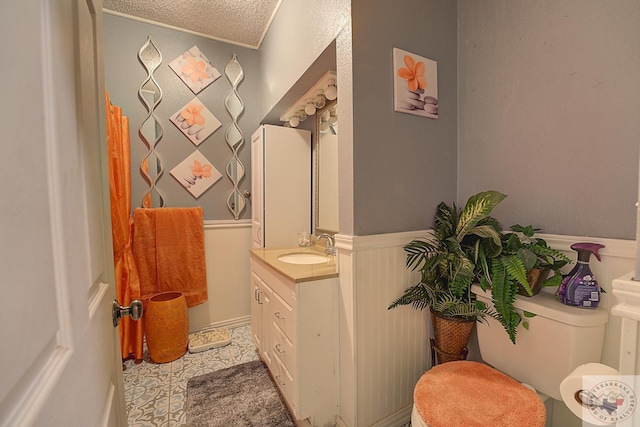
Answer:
[(465, 393)]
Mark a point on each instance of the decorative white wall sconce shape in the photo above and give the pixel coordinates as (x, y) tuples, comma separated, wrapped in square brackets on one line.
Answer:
[(234, 137), (150, 129)]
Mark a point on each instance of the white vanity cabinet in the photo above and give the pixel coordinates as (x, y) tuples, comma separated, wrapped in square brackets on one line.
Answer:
[(280, 185), (295, 328), (260, 312)]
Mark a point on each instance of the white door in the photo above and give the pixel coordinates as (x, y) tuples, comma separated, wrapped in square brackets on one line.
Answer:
[(59, 359)]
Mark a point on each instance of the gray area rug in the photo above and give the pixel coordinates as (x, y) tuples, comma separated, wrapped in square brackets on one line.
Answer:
[(242, 395)]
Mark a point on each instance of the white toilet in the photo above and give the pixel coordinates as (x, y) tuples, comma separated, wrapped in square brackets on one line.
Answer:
[(559, 339)]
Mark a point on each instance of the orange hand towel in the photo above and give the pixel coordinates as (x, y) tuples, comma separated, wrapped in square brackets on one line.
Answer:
[(168, 245)]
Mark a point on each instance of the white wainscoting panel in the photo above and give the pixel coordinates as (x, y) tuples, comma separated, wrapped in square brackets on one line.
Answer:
[(226, 245), (389, 348), (384, 352)]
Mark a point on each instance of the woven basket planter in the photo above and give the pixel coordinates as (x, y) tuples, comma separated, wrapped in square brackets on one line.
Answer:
[(450, 338)]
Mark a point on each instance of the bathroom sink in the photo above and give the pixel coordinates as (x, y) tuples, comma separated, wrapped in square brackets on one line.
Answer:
[(304, 258)]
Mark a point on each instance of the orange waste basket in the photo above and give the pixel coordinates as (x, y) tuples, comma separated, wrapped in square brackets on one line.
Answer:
[(166, 324)]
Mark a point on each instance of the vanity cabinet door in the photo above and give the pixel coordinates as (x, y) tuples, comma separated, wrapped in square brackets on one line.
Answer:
[(261, 313), (280, 185), (256, 311), (257, 189)]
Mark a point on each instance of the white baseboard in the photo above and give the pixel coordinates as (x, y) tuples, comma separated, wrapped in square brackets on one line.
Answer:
[(231, 323), (399, 418)]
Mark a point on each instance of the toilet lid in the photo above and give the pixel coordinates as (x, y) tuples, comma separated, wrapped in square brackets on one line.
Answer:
[(465, 393)]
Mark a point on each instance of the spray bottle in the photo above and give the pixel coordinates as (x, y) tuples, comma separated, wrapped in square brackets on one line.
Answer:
[(579, 288)]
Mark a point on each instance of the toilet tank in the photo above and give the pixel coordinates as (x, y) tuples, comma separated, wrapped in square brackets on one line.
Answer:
[(559, 339)]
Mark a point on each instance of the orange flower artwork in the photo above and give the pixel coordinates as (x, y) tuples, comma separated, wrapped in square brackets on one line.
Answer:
[(195, 121), (413, 73), (194, 69), (415, 84), (199, 170), (191, 114), (196, 174)]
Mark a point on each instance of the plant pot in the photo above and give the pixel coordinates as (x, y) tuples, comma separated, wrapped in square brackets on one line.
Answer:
[(535, 277), (450, 338), (166, 326)]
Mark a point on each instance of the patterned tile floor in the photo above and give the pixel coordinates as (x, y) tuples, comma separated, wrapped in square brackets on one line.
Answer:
[(155, 394)]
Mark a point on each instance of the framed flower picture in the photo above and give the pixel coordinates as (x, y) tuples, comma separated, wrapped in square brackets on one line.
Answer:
[(415, 84), (194, 69), (195, 121), (196, 174)]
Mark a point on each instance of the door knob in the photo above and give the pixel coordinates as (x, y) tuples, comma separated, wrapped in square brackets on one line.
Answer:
[(118, 312)]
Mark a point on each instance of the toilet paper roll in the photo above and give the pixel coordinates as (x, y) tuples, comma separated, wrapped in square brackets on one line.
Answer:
[(599, 395)]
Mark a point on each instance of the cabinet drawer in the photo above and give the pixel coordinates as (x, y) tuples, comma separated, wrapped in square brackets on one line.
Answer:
[(282, 347), (284, 317), (283, 287), (287, 385)]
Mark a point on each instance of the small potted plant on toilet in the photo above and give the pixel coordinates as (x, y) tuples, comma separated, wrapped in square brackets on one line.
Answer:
[(521, 268), (454, 254), (537, 258)]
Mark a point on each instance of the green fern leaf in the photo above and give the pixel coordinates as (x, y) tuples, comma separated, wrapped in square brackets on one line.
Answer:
[(516, 271), (418, 251), (504, 295), (419, 296), (445, 220)]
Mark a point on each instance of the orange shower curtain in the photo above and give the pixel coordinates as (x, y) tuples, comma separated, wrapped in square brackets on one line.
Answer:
[(127, 281)]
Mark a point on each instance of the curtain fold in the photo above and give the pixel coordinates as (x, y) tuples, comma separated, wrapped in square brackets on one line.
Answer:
[(126, 274)]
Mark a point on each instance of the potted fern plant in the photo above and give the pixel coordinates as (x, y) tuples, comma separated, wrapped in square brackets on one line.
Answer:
[(455, 253), (522, 268)]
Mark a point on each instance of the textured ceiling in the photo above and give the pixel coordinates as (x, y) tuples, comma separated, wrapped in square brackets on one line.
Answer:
[(241, 22)]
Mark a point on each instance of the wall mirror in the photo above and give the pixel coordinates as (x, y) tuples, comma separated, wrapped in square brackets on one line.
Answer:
[(150, 130), (234, 137), (326, 169)]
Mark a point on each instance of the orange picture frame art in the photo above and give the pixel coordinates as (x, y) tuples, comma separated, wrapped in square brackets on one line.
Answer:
[(415, 84)]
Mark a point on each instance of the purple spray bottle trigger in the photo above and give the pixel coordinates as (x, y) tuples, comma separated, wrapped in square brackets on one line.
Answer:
[(592, 248)]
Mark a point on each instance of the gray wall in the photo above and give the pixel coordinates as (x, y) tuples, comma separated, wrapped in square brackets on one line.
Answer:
[(549, 111), (299, 33), (123, 38), (403, 165)]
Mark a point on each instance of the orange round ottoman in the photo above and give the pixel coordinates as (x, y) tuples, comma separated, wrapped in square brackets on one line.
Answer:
[(472, 394), (166, 325)]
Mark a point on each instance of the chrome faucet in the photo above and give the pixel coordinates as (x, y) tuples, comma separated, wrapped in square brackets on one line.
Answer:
[(330, 249)]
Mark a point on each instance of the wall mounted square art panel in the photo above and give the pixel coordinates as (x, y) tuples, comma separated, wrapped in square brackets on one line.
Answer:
[(415, 84), (195, 121), (195, 69), (196, 174)]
